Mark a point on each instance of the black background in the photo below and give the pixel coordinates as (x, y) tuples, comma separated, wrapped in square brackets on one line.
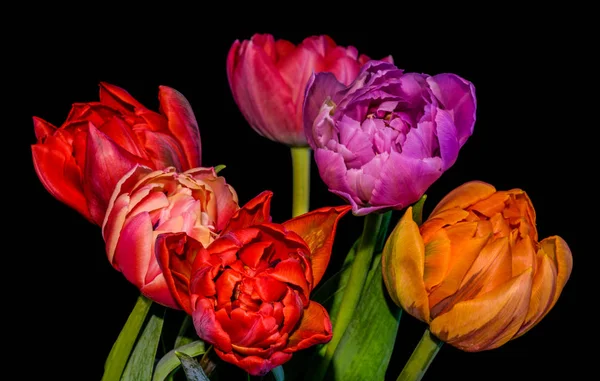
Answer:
[(73, 303)]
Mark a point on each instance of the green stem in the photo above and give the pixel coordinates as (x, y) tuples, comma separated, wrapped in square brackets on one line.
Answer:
[(121, 349), (353, 290), (421, 358), (301, 180)]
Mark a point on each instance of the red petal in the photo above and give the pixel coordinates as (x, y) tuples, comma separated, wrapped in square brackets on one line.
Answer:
[(61, 176), (254, 212), (317, 228), (256, 366), (208, 327), (253, 253), (42, 129), (105, 164), (314, 328), (290, 271), (176, 253), (182, 124), (118, 98), (269, 289)]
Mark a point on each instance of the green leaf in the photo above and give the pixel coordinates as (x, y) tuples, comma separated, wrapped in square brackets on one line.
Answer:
[(365, 350), (141, 363), (219, 168), (278, 373), (170, 362), (193, 370), (121, 349), (417, 210), (329, 294), (383, 231), (182, 337)]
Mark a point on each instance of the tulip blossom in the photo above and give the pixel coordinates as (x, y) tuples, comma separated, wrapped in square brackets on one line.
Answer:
[(146, 203), (268, 79), (380, 142), (81, 161), (248, 292), (475, 270)]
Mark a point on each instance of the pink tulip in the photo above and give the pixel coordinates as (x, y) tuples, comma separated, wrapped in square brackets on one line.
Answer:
[(268, 79), (80, 162), (146, 203)]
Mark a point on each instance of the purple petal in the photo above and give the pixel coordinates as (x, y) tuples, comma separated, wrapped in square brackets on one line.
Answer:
[(404, 179), (333, 172), (420, 142), (446, 132), (458, 96), (319, 88)]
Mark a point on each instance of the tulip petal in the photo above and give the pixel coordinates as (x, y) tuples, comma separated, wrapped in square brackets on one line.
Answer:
[(176, 253), (253, 212), (491, 267), (319, 88), (182, 124), (437, 259), (225, 195), (60, 175), (290, 271), (405, 180), (463, 196), (317, 228), (558, 250), (489, 320), (403, 266), (314, 328), (134, 249), (254, 365), (458, 96), (118, 98), (465, 247), (158, 291), (542, 292), (261, 94), (105, 164), (42, 129), (208, 327)]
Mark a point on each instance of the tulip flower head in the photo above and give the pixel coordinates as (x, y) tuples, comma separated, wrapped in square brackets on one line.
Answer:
[(248, 292), (475, 270), (380, 142), (146, 203), (268, 79), (81, 161)]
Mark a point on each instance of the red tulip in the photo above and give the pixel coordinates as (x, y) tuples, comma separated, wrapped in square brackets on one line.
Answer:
[(249, 290), (268, 79), (146, 203), (81, 161)]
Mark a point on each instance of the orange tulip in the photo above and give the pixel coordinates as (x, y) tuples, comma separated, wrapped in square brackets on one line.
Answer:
[(475, 270)]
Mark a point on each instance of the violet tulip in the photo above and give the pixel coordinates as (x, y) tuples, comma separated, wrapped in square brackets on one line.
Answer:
[(382, 141)]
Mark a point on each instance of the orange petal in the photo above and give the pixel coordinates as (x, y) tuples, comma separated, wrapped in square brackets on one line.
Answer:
[(403, 266), (464, 196), (523, 256), (254, 212), (491, 268), (558, 250), (314, 328), (491, 205), (542, 291), (464, 249), (487, 321), (317, 229), (437, 259)]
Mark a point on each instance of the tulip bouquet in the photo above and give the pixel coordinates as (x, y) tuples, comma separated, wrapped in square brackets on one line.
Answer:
[(258, 299)]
